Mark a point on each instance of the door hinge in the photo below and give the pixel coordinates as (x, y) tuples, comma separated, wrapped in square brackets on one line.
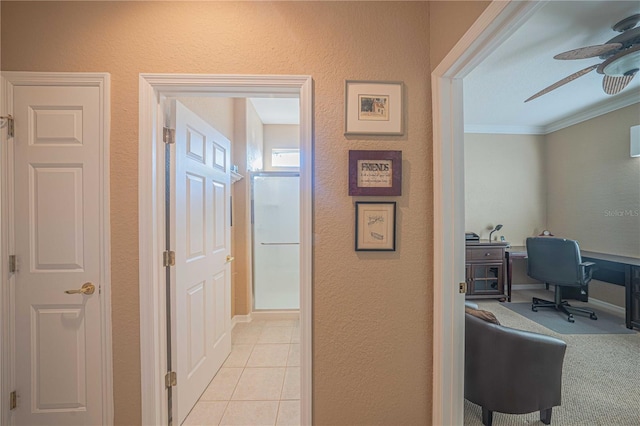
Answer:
[(9, 123), (463, 288), (168, 258), (13, 400), (168, 135), (13, 264), (170, 379)]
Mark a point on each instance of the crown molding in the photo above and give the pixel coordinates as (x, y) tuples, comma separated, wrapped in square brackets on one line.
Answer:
[(630, 98), (504, 130)]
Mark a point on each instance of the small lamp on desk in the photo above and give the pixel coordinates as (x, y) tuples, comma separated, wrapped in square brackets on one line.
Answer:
[(497, 228)]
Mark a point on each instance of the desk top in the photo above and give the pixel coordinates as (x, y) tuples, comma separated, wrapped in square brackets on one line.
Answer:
[(634, 261), (521, 251), (487, 243)]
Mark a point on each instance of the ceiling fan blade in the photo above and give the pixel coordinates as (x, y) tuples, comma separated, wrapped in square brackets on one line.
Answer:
[(564, 81), (589, 51), (614, 84)]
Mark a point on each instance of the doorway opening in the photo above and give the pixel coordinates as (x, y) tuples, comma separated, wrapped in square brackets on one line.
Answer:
[(154, 89), (496, 23)]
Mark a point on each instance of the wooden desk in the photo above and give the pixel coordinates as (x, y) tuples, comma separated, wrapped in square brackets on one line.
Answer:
[(485, 267), (514, 252), (610, 268)]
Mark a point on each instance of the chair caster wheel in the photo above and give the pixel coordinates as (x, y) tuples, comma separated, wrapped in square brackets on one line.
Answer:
[(570, 319), (593, 316), (534, 309)]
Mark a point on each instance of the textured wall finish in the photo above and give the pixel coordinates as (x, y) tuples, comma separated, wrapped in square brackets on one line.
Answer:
[(594, 185), (371, 311), (505, 183)]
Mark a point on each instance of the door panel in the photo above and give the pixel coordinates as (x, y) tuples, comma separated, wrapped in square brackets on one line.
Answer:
[(57, 242), (200, 231)]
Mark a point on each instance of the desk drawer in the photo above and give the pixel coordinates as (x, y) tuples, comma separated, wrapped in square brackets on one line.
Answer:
[(482, 253)]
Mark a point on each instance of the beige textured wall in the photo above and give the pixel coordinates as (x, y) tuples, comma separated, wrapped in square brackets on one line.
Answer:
[(372, 322), (279, 136), (449, 20), (240, 230), (505, 183), (372, 311), (594, 185)]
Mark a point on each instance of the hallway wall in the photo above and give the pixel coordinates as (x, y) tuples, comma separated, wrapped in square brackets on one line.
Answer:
[(372, 311)]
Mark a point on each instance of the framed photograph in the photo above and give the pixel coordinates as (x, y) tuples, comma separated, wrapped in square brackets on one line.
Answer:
[(375, 173), (374, 108), (375, 226)]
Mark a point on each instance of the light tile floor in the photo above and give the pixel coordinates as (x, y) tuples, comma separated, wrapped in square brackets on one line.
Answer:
[(259, 383)]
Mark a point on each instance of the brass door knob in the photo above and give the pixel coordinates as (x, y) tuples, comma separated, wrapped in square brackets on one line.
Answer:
[(87, 288), (230, 258)]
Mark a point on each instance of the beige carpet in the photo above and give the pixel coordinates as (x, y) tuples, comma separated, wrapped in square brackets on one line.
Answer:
[(600, 381)]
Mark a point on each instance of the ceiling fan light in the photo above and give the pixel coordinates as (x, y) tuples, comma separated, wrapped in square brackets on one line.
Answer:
[(623, 64)]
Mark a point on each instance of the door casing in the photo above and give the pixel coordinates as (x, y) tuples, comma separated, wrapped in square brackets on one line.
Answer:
[(8, 81), (499, 20), (153, 344)]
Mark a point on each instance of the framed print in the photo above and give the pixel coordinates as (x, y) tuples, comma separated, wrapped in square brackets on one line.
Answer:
[(375, 173), (375, 226), (374, 108)]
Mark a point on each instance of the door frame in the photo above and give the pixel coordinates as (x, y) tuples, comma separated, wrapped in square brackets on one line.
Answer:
[(498, 21), (9, 80), (151, 194)]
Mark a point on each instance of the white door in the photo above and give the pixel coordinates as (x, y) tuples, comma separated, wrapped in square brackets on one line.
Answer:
[(58, 343), (201, 237)]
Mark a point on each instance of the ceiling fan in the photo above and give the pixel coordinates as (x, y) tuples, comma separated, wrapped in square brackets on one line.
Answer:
[(620, 55)]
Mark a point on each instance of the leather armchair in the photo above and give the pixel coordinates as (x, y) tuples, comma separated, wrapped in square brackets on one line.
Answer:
[(511, 371)]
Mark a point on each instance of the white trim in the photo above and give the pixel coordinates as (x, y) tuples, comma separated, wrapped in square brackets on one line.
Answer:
[(619, 310), (151, 214), (622, 101), (237, 319), (498, 129), (275, 315), (515, 287), (493, 26), (606, 107), (102, 82)]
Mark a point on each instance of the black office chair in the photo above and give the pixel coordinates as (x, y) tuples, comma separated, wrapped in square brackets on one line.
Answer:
[(557, 261)]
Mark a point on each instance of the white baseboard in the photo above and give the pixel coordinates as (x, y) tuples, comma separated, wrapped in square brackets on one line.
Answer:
[(239, 318), (607, 306), (526, 287), (275, 315), (265, 315)]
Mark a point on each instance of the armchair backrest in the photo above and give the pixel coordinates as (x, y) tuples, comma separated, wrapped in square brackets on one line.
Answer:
[(554, 261)]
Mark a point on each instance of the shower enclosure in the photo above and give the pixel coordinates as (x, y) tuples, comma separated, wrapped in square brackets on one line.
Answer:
[(276, 240)]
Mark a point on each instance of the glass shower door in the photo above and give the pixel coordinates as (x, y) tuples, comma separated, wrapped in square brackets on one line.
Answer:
[(276, 241)]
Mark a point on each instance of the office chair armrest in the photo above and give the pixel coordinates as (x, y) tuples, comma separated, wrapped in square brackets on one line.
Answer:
[(588, 268)]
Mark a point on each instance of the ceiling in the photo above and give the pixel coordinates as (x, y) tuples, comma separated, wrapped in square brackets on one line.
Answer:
[(277, 110), (494, 92)]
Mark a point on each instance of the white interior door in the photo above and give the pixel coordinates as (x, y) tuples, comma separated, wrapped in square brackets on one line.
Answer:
[(200, 229), (58, 341)]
